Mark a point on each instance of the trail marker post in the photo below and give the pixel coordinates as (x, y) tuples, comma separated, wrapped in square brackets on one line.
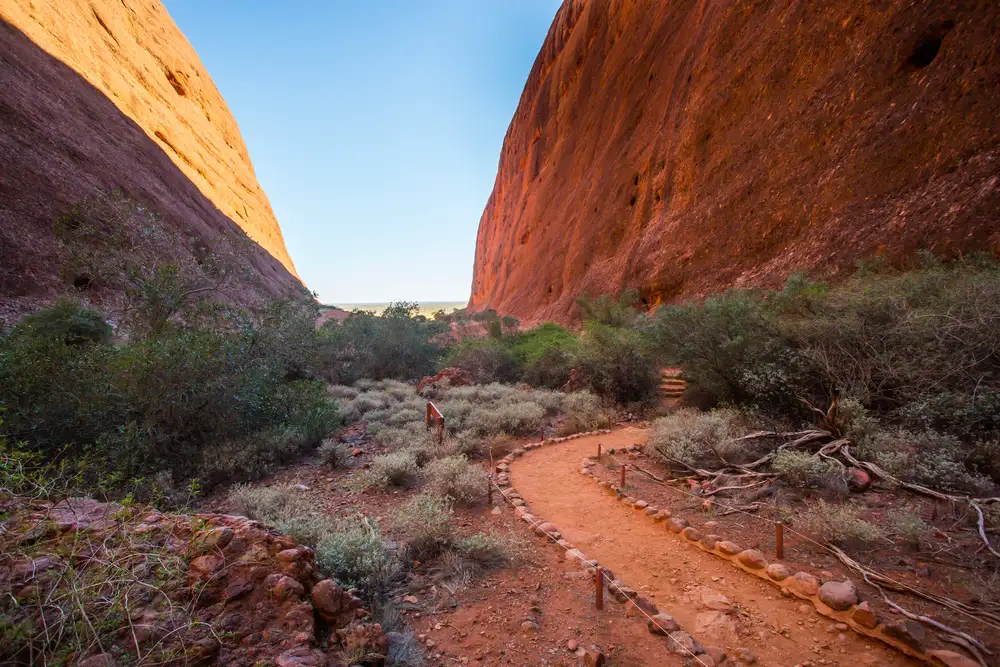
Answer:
[(622, 485), (599, 593), (598, 451), (779, 539)]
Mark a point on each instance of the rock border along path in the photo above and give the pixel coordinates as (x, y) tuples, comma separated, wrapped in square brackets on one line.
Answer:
[(836, 600)]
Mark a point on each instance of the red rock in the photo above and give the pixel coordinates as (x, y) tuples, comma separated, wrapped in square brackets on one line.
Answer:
[(681, 148), (166, 137), (356, 452), (858, 480), (446, 377)]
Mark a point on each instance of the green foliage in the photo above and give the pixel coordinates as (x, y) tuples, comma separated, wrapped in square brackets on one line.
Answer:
[(398, 343), (487, 550), (694, 438), (929, 458), (485, 360), (617, 365), (355, 553), (201, 401), (609, 311), (333, 453), (909, 526), (730, 346), (69, 323)]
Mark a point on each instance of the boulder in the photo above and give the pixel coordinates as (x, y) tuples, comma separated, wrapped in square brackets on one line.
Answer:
[(858, 480), (728, 548), (909, 632), (778, 571), (804, 583), (839, 595), (662, 624), (676, 524), (431, 385), (864, 616), (753, 559)]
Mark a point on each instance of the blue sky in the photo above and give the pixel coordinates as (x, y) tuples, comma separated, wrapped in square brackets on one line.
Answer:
[(375, 127)]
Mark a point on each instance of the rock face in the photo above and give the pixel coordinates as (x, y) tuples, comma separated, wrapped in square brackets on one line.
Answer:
[(109, 95), (211, 588), (683, 147)]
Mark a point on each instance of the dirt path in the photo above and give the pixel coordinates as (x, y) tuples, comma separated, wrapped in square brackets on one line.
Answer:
[(676, 575)]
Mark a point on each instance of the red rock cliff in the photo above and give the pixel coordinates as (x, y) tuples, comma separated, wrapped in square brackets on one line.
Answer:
[(104, 94), (683, 147)]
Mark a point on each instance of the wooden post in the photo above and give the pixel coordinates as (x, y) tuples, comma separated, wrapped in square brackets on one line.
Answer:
[(599, 593), (428, 415), (598, 451), (440, 423), (779, 539), (541, 434), (622, 485)]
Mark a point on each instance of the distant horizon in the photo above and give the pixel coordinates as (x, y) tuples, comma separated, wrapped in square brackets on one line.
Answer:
[(424, 307)]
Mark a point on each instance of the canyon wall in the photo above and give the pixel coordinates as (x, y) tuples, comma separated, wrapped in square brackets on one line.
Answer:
[(108, 95), (684, 147)]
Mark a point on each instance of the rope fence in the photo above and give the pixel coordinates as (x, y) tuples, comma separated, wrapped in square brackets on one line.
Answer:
[(781, 527), (599, 599)]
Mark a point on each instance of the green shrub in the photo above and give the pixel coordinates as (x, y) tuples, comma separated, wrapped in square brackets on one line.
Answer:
[(583, 412), (398, 343), (267, 504), (173, 403), (617, 365), (485, 360), (394, 469), (803, 470), (488, 550), (454, 477), (513, 418), (69, 323), (425, 523), (731, 346)]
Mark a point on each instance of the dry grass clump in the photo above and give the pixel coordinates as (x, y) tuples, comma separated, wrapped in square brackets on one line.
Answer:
[(454, 477), (806, 471), (394, 469), (333, 453), (840, 524), (425, 523), (695, 438)]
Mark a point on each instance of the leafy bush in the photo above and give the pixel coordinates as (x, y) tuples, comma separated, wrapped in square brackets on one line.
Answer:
[(616, 364), (487, 550), (730, 346), (425, 523), (175, 402), (394, 469), (69, 323), (485, 360), (267, 504), (514, 418), (909, 526), (454, 477), (398, 343), (584, 412)]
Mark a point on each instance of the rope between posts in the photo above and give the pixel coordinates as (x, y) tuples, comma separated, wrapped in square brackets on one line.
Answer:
[(807, 539), (537, 526)]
